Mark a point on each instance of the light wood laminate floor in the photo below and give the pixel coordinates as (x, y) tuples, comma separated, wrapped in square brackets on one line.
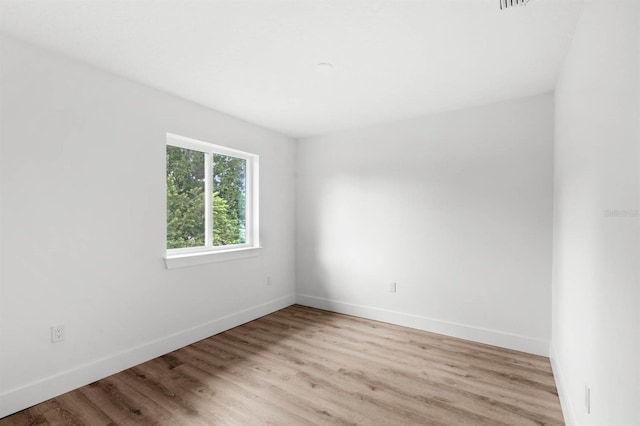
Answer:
[(303, 366)]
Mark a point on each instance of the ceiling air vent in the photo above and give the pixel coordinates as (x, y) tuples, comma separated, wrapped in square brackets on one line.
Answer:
[(505, 4)]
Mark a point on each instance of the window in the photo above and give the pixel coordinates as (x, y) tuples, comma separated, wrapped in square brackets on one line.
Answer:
[(212, 196)]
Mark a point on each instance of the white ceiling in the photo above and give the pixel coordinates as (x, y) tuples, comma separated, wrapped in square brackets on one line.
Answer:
[(256, 59)]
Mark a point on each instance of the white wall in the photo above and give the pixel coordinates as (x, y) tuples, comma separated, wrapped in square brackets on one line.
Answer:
[(82, 231), (596, 285), (455, 207)]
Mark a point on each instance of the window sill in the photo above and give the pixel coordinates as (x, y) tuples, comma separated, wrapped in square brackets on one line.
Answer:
[(174, 261)]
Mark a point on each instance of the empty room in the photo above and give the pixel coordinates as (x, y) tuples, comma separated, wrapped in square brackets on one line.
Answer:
[(304, 212)]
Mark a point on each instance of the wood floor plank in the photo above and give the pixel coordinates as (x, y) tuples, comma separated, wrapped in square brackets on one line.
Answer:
[(304, 366), (395, 367), (360, 383), (83, 409), (293, 372), (277, 378)]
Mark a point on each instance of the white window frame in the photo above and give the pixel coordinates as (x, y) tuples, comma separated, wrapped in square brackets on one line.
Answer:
[(188, 256)]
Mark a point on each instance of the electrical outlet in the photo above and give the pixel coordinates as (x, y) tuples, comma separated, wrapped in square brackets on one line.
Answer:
[(392, 287), (268, 280), (587, 399), (57, 333)]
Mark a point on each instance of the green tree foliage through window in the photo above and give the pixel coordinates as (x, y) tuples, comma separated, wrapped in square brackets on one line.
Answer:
[(229, 200), (186, 198)]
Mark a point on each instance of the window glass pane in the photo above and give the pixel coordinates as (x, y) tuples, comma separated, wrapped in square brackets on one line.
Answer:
[(185, 198), (229, 200)]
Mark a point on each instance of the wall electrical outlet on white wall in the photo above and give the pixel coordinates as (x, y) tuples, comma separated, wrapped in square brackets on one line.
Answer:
[(57, 333)]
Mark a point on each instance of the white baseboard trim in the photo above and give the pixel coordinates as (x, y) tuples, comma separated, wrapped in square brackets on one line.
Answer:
[(477, 334), (41, 390), (563, 391)]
